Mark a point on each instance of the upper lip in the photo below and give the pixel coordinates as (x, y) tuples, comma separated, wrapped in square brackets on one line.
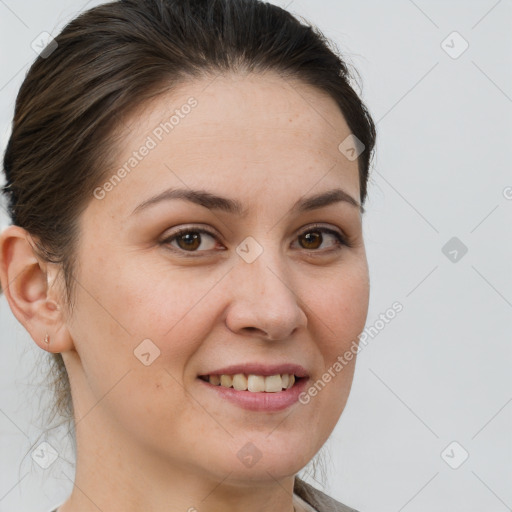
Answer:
[(261, 369)]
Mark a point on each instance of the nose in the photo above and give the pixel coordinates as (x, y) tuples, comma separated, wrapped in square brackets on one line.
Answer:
[(264, 301)]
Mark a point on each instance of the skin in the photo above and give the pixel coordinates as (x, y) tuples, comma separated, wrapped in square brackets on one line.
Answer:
[(151, 437)]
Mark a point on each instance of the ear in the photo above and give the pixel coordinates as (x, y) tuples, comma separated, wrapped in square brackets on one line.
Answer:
[(28, 284)]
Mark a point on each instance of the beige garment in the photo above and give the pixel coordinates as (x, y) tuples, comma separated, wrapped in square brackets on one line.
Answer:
[(314, 500), (299, 505), (318, 500)]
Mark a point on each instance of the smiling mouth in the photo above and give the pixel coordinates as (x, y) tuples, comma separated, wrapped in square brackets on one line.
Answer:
[(253, 383)]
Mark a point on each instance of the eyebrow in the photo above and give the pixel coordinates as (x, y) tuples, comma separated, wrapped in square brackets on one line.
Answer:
[(232, 206)]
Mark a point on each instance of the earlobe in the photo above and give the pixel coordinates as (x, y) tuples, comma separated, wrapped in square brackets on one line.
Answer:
[(24, 281)]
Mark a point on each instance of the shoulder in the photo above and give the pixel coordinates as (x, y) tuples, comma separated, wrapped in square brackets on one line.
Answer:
[(317, 499)]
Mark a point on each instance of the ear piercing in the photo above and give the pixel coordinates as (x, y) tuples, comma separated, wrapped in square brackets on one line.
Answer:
[(47, 339)]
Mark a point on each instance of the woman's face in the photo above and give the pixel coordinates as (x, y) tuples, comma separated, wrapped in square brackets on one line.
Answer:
[(261, 283)]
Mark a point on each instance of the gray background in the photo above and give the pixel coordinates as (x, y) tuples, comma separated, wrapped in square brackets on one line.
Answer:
[(440, 371)]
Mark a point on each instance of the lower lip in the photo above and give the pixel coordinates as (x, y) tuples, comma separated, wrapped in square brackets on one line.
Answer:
[(262, 401)]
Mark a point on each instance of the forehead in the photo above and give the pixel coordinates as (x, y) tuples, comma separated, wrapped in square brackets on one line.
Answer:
[(234, 106), (239, 132)]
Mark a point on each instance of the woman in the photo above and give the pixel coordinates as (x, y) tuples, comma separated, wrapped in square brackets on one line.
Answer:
[(186, 182)]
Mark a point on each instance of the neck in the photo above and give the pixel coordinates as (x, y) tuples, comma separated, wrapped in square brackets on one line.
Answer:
[(114, 474)]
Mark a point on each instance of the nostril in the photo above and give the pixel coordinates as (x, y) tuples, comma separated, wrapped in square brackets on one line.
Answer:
[(251, 329)]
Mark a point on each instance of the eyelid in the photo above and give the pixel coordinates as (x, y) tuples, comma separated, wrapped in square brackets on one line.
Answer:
[(323, 227), (188, 228)]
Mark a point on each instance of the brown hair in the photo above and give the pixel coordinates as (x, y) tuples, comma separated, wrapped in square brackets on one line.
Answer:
[(109, 61)]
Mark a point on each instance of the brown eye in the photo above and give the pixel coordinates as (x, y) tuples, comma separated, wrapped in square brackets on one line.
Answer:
[(313, 238), (190, 240), (194, 241)]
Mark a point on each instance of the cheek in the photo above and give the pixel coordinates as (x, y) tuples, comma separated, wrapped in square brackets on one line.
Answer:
[(143, 299), (113, 317), (159, 295), (341, 306), (338, 315)]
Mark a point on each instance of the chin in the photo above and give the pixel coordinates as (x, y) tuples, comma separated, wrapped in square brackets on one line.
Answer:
[(263, 456), (265, 473)]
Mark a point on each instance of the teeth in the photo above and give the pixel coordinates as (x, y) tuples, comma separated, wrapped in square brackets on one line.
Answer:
[(254, 383), (273, 383), (240, 382), (225, 380), (215, 380)]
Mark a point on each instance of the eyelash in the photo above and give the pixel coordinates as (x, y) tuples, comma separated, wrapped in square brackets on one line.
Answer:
[(341, 240)]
